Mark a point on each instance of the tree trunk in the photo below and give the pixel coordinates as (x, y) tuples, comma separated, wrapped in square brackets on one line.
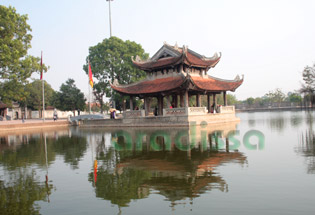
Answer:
[(102, 106)]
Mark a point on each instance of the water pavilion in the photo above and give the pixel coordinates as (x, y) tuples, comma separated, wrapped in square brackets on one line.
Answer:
[(177, 73)]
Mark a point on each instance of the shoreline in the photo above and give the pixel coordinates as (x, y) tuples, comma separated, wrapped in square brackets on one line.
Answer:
[(274, 109), (17, 125)]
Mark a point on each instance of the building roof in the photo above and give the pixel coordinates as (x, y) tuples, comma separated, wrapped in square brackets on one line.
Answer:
[(209, 84), (150, 86), (2, 105), (216, 84), (170, 56)]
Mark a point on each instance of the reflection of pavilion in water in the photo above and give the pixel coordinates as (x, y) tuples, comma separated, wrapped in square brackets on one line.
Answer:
[(172, 172)]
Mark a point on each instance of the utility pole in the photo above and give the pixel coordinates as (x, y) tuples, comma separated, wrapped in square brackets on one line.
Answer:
[(110, 18)]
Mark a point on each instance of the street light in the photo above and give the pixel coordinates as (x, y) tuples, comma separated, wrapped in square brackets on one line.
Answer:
[(110, 18)]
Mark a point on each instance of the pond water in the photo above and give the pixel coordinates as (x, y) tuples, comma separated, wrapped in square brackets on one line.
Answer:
[(263, 165)]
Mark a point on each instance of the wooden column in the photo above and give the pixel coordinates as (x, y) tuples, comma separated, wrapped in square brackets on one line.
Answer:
[(124, 105), (198, 100), (225, 98), (168, 102), (214, 100), (131, 102), (174, 101), (186, 99), (160, 105), (147, 105), (208, 103), (182, 102)]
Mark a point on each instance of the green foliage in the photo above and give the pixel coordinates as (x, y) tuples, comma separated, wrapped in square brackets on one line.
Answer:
[(70, 98), (250, 101), (120, 190), (294, 97), (20, 194), (34, 99), (308, 87), (276, 96), (15, 65), (72, 148), (309, 80), (231, 99), (110, 60)]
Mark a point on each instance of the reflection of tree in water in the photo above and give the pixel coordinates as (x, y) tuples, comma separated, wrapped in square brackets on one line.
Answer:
[(251, 123), (131, 174), (277, 123), (296, 120), (31, 152), (72, 148), (20, 192), (307, 144)]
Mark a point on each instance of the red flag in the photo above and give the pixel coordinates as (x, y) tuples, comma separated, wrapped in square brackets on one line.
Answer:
[(41, 66), (90, 75)]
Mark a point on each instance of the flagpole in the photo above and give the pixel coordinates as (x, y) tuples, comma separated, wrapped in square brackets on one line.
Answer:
[(89, 97), (43, 86), (89, 85)]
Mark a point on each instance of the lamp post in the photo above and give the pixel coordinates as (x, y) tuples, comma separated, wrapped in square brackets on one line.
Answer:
[(110, 18)]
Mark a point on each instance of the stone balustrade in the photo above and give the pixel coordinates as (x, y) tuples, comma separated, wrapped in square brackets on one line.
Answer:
[(174, 111), (132, 114), (227, 109), (180, 111), (197, 110)]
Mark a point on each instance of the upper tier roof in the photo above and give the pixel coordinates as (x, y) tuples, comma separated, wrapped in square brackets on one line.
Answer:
[(209, 84), (169, 56)]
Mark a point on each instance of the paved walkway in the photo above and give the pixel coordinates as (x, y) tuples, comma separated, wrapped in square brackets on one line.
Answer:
[(14, 125), (28, 121)]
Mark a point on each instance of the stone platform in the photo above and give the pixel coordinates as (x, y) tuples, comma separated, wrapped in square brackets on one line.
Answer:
[(162, 121)]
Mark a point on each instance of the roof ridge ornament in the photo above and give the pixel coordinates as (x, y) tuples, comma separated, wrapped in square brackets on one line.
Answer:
[(115, 82), (176, 46), (214, 57), (138, 59), (185, 50), (237, 78)]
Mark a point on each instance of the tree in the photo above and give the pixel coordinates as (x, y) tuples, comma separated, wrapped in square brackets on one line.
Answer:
[(250, 101), (110, 60), (294, 97), (16, 67), (276, 96), (308, 87), (34, 99), (70, 98)]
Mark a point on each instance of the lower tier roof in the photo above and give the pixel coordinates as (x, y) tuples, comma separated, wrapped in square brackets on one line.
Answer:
[(196, 83)]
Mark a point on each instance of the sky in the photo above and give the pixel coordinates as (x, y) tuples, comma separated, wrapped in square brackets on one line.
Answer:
[(269, 42)]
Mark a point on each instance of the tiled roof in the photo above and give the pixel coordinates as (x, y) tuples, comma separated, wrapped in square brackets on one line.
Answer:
[(193, 60), (151, 86), (161, 63), (170, 83), (182, 55), (214, 84)]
